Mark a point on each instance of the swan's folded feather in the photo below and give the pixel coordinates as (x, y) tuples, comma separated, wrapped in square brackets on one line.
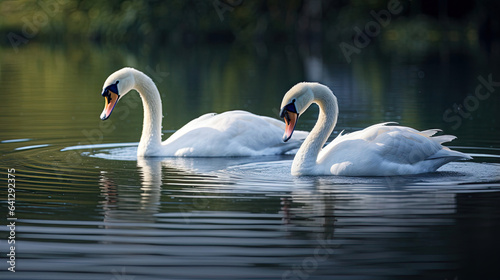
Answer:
[(387, 150), (430, 132), (233, 133)]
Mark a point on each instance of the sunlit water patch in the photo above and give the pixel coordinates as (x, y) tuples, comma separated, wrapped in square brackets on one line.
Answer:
[(14, 140)]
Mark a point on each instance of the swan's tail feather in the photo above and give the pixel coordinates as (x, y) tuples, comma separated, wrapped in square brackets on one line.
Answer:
[(430, 132), (445, 153), (449, 154), (444, 138), (439, 139), (382, 124)]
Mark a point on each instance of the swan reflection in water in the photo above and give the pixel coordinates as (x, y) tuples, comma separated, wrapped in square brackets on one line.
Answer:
[(357, 224), (126, 203), (123, 201)]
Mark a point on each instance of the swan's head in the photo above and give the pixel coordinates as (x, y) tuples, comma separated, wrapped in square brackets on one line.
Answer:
[(295, 102), (115, 87)]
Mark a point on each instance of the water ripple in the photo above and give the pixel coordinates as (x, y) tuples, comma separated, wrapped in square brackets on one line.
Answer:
[(98, 209)]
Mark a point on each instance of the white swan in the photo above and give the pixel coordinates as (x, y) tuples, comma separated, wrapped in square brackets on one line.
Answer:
[(378, 150), (234, 133)]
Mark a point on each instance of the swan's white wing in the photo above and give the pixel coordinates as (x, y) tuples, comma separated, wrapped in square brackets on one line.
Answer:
[(233, 133), (387, 150)]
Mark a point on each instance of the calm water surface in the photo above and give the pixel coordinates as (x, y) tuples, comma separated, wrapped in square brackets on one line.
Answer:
[(86, 208)]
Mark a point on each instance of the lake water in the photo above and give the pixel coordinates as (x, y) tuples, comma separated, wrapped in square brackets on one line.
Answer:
[(86, 208)]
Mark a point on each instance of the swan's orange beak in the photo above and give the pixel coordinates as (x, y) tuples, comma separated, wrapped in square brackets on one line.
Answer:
[(290, 121), (110, 100)]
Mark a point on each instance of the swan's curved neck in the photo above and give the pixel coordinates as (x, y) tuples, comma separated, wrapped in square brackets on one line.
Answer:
[(151, 127), (307, 156)]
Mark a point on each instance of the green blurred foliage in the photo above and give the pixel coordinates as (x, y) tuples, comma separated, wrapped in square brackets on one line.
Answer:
[(152, 23)]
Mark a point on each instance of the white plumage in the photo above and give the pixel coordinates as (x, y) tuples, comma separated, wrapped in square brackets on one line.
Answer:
[(229, 134), (379, 150)]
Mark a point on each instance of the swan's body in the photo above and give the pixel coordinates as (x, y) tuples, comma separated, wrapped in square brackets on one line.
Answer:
[(233, 133), (379, 150)]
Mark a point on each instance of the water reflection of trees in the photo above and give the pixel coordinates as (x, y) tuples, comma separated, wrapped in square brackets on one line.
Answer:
[(421, 25)]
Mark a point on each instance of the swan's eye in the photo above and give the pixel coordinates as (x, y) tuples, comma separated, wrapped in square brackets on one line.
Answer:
[(291, 107), (113, 88)]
